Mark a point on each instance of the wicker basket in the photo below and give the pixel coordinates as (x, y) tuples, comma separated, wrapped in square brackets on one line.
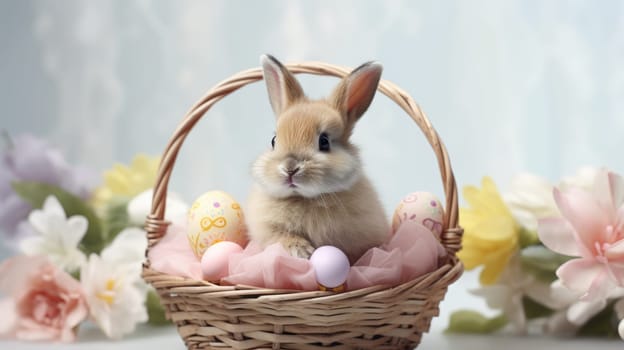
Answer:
[(242, 317)]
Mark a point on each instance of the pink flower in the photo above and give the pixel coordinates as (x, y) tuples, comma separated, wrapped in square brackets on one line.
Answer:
[(592, 229), (42, 302)]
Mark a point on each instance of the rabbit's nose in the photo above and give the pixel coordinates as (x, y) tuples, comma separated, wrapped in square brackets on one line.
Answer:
[(290, 168), (292, 165)]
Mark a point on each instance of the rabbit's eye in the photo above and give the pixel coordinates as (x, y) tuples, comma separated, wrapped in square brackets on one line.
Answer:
[(273, 142), (324, 142)]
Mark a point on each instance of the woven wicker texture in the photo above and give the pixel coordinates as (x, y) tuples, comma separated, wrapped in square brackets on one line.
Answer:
[(211, 316)]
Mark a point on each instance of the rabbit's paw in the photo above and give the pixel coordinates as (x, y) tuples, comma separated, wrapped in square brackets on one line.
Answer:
[(298, 246)]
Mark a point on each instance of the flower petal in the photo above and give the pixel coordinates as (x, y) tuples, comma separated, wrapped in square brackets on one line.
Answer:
[(52, 206), (579, 274), (487, 199), (531, 198), (9, 317), (616, 293), (38, 220), (558, 235), (496, 296), (77, 314), (583, 211), (580, 312), (600, 287), (494, 201), (56, 236), (128, 247), (525, 217), (15, 271), (139, 208), (563, 295), (584, 178), (616, 251), (71, 261), (542, 293), (492, 271), (31, 245), (609, 189), (558, 324), (619, 220), (617, 189), (470, 257), (120, 315), (476, 252), (76, 229), (494, 229), (514, 311), (30, 330)]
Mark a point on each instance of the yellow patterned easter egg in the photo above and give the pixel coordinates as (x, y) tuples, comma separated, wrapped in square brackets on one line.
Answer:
[(214, 217)]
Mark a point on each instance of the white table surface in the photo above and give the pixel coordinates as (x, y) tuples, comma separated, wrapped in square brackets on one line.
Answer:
[(148, 338), (167, 338)]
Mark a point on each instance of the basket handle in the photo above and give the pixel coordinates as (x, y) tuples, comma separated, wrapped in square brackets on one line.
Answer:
[(155, 224)]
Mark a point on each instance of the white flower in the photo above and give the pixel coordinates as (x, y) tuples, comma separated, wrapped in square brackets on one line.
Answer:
[(584, 178), (558, 324), (113, 286), (56, 236), (571, 312), (577, 311), (128, 248), (507, 293), (531, 197), (139, 208)]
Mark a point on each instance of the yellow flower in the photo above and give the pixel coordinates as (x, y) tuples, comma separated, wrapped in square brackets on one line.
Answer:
[(490, 231), (127, 181)]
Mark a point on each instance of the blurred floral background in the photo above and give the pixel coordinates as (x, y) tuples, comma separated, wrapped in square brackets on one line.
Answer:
[(510, 86)]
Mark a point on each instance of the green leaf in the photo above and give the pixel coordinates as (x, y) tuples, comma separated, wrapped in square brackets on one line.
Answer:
[(155, 311), (533, 309), (115, 218), (468, 321), (75, 274), (35, 193), (542, 262), (527, 238)]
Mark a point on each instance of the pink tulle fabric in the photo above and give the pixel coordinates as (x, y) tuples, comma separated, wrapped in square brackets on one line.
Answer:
[(272, 267), (173, 254), (411, 252)]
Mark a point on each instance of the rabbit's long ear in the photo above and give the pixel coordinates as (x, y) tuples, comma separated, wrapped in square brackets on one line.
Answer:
[(283, 87), (356, 91)]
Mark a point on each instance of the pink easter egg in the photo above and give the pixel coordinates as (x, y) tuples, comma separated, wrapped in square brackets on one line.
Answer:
[(421, 207), (331, 266), (215, 261)]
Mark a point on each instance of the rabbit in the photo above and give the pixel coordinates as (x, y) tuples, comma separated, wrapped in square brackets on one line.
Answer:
[(309, 188)]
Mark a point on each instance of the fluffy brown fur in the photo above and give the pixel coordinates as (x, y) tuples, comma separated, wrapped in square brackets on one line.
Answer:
[(305, 197)]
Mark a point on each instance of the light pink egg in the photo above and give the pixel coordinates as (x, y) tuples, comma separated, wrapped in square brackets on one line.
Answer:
[(331, 266), (215, 261), (421, 207)]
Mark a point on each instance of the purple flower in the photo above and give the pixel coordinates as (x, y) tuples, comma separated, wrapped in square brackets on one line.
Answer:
[(27, 158)]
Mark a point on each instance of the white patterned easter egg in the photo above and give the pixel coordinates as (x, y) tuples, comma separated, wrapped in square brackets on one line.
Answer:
[(421, 207), (215, 217)]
